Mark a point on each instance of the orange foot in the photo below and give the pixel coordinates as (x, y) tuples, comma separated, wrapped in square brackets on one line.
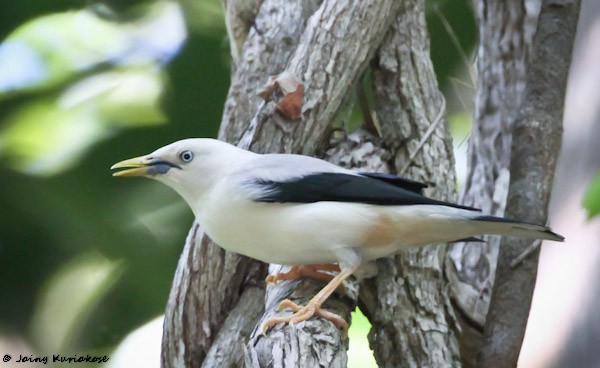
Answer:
[(302, 313), (305, 271)]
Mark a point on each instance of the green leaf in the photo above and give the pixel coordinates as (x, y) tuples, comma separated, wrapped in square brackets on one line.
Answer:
[(591, 199)]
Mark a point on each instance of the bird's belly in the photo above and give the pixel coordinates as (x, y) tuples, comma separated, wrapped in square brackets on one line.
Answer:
[(285, 233), (316, 232), (259, 240)]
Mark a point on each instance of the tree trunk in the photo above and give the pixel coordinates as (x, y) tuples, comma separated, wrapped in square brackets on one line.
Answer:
[(506, 29), (506, 36), (408, 299), (537, 135)]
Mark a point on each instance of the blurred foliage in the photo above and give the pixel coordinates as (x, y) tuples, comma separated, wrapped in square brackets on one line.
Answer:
[(84, 258), (77, 87), (453, 31), (69, 126), (83, 282), (591, 199)]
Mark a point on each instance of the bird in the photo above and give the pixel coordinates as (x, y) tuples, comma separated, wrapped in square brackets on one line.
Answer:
[(310, 214)]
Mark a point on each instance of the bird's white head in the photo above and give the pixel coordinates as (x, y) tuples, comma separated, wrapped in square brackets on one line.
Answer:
[(190, 166)]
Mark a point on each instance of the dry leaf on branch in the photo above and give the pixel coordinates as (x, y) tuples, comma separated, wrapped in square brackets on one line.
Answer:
[(290, 105)]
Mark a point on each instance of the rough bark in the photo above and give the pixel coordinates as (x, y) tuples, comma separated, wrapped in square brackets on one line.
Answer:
[(209, 281), (407, 303), (269, 46), (227, 349), (239, 18), (505, 35), (206, 278), (536, 143), (329, 62)]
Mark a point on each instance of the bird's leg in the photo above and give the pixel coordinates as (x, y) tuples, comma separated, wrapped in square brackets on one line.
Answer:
[(305, 271), (302, 313)]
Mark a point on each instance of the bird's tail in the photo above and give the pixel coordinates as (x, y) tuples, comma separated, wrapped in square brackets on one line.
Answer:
[(508, 227)]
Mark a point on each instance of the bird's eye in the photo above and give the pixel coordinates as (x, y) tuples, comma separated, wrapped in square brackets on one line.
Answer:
[(186, 156)]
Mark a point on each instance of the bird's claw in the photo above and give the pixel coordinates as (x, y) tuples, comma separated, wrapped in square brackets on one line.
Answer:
[(303, 313), (288, 304)]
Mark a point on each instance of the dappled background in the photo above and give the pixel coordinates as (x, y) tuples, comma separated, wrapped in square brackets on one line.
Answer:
[(85, 258)]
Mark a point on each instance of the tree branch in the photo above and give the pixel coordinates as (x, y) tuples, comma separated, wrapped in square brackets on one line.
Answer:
[(239, 17), (505, 36), (206, 277), (333, 52), (413, 324), (227, 349), (270, 44), (535, 147)]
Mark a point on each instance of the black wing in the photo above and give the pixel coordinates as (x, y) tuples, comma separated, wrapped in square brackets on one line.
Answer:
[(336, 187), (412, 185)]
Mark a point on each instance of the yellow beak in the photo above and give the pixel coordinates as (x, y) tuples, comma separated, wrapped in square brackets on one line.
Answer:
[(144, 166), (137, 166)]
